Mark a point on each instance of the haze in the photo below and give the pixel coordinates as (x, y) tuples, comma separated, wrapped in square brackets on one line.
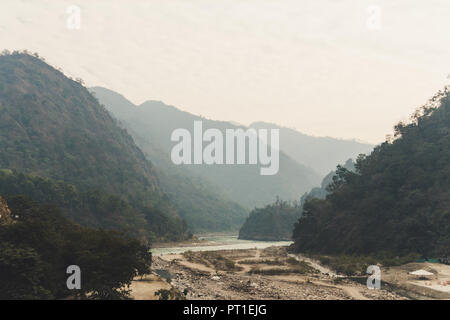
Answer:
[(312, 65)]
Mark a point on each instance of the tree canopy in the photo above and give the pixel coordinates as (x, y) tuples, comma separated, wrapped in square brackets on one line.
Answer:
[(397, 201), (37, 248)]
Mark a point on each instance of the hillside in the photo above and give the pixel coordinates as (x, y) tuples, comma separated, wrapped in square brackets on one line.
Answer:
[(94, 208), (322, 191), (52, 127), (398, 200), (320, 153), (276, 221), (240, 183), (199, 202)]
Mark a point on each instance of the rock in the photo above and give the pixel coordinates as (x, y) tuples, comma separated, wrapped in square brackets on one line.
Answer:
[(5, 213)]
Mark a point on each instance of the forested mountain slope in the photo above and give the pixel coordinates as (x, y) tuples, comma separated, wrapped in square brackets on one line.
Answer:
[(52, 127), (397, 201)]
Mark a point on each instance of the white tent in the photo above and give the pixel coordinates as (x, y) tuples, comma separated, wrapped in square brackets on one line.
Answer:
[(421, 273)]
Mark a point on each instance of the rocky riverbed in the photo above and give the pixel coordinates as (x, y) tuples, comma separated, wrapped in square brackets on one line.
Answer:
[(255, 274)]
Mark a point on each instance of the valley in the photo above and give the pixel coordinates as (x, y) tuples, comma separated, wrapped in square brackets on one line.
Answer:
[(88, 175)]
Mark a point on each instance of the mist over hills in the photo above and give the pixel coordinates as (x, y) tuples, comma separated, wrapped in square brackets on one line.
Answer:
[(198, 201), (155, 121), (320, 153)]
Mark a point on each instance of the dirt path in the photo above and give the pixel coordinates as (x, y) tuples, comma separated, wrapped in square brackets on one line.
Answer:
[(315, 265), (246, 267), (178, 258)]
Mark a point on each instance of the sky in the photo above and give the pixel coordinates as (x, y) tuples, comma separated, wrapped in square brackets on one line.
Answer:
[(340, 68)]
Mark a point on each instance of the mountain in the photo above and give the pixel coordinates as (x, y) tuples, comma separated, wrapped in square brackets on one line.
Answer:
[(199, 202), (398, 200), (320, 153), (52, 127), (155, 121)]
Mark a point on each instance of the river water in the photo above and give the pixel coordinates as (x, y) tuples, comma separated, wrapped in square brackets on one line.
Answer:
[(215, 243)]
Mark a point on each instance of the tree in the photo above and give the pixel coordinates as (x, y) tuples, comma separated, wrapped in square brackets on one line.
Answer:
[(39, 246)]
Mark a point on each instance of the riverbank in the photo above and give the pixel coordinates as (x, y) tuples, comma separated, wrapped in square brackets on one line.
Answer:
[(195, 241), (254, 274), (214, 242), (224, 267)]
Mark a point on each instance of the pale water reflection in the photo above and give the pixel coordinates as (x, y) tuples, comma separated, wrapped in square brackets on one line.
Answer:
[(220, 243)]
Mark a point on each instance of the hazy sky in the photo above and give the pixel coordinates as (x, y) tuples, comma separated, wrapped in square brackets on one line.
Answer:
[(320, 66)]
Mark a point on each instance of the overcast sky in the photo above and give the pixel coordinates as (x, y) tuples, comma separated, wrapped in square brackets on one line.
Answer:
[(324, 67)]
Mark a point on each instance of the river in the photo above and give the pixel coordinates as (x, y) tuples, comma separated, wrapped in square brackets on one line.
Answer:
[(219, 242)]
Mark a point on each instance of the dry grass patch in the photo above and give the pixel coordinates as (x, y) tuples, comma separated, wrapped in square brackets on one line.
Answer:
[(299, 267), (213, 260)]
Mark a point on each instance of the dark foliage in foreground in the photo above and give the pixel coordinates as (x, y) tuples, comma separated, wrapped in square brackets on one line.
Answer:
[(39, 244)]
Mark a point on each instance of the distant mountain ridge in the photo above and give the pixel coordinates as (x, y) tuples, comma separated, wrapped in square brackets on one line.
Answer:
[(319, 153), (241, 183), (198, 201)]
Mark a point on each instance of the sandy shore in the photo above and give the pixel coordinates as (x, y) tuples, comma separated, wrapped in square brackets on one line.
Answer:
[(198, 278)]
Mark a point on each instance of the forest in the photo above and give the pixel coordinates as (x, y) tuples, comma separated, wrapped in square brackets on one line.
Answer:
[(396, 202), (274, 222), (60, 146)]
